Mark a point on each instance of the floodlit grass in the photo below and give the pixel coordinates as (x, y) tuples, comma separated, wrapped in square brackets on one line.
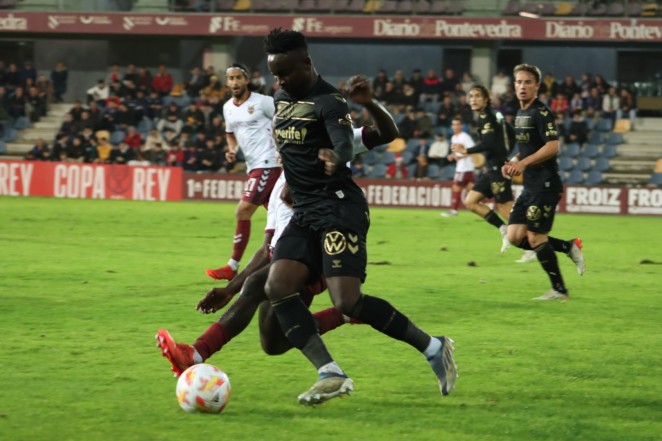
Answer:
[(86, 284)]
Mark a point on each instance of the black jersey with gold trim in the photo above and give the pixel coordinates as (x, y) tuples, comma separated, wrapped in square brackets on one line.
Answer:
[(302, 127), (492, 140), (535, 126)]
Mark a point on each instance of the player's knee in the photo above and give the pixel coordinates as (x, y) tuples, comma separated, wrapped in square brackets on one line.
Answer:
[(515, 238), (254, 289), (471, 204), (274, 347)]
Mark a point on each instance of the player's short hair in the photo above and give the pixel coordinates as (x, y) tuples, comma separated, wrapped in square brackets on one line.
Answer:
[(530, 68), (484, 92), (282, 41)]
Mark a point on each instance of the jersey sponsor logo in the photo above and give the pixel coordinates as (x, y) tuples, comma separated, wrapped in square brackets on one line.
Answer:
[(346, 121), (487, 128), (334, 243), (533, 213), (336, 264), (300, 110), (251, 109), (292, 135)]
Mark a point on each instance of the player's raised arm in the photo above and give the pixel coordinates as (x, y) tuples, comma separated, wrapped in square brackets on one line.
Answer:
[(384, 129)]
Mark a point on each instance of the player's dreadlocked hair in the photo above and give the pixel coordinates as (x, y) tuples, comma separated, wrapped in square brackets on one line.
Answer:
[(281, 41), (483, 91)]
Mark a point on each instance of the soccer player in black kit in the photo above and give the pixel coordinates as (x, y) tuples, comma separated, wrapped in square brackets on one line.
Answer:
[(494, 145), (533, 213), (327, 232)]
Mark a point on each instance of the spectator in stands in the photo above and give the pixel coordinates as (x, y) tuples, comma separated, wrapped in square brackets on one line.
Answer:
[(576, 103), (98, 93), (87, 137), (144, 80), (467, 82), (191, 159), (162, 82), (465, 113), (548, 85), (627, 108), (431, 87), (12, 77), (175, 156), (35, 104), (499, 83), (600, 83), (560, 104), (17, 103), (258, 82), (578, 130), (611, 102), (96, 114), (59, 151), (416, 83), (568, 87), (423, 127), (40, 152), (115, 76), (449, 82), (397, 169), (195, 82), (358, 169), (215, 91), (122, 154), (133, 138), (125, 117), (59, 77), (407, 126), (194, 119), (154, 106), (75, 150), (77, 110), (438, 150), (45, 88), (170, 137), (445, 114), (27, 72), (171, 119), (210, 160), (157, 155), (585, 85), (593, 103), (216, 127), (104, 147), (379, 85), (68, 125), (421, 160), (153, 137)]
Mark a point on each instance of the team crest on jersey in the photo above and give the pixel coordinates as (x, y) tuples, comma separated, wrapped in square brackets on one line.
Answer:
[(498, 187), (334, 243), (533, 213), (251, 110)]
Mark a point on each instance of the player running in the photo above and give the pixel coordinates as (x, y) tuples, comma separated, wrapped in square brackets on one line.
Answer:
[(248, 127), (252, 279), (494, 145)]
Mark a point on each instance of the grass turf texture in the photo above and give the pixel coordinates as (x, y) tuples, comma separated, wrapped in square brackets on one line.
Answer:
[(86, 284)]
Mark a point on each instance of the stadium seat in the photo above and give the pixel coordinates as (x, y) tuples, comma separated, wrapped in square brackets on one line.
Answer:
[(656, 179), (566, 163), (448, 172), (614, 138), (575, 177), (590, 123), (548, 9), (602, 164), (10, 135), (242, 5), (591, 151), (438, 7), (583, 164), (456, 7), (411, 170), (580, 8), (434, 171), (596, 137), (387, 7), (609, 151), (650, 9), (571, 150), (22, 122), (412, 145), (306, 6), (398, 118), (117, 136), (404, 7), (615, 9), (371, 6), (3, 148), (387, 158), (598, 10), (355, 6), (633, 9), (622, 125), (407, 157), (422, 7), (370, 158), (225, 5), (658, 166), (324, 5), (604, 125), (594, 177), (563, 8), (377, 171)]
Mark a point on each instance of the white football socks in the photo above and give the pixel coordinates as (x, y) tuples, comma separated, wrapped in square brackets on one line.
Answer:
[(234, 264), (331, 368), (433, 347)]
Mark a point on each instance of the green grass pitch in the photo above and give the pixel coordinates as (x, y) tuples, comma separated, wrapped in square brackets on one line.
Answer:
[(85, 285)]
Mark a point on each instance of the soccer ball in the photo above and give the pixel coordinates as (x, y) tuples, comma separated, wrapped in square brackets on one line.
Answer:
[(203, 388)]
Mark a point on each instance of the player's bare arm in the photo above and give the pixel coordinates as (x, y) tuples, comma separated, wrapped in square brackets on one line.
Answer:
[(217, 298), (231, 154), (384, 128)]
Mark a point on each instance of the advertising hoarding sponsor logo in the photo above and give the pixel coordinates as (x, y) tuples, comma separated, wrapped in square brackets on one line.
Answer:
[(468, 29), (10, 22), (644, 201), (593, 200)]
